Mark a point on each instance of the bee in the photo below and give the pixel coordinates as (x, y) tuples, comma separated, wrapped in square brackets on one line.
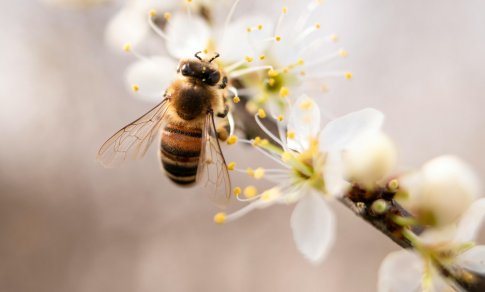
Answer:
[(184, 120)]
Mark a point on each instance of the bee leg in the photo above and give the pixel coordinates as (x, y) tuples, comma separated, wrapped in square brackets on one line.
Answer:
[(224, 83), (223, 131), (223, 114)]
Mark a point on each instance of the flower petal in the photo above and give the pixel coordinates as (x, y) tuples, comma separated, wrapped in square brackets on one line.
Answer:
[(339, 133), (238, 43), (470, 223), (313, 226), (473, 259), (187, 35), (304, 122), (153, 76), (400, 271)]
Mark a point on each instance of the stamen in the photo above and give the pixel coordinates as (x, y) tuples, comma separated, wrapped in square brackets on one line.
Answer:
[(324, 59), (220, 218), (301, 36), (284, 11), (234, 66), (228, 18), (156, 29), (230, 120), (258, 173), (242, 72), (250, 192), (129, 49), (268, 132), (284, 91), (302, 20), (135, 87)]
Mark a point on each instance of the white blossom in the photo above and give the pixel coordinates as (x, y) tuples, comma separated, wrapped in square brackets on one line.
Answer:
[(312, 171)]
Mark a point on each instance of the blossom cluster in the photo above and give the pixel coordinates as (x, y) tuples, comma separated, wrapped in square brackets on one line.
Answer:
[(277, 63)]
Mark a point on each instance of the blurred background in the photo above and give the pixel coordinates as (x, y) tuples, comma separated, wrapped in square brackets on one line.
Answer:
[(68, 224)]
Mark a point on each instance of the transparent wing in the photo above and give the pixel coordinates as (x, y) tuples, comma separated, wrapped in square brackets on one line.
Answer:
[(133, 140), (212, 171)]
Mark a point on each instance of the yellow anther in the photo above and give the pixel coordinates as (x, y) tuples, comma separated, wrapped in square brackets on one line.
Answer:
[(272, 73), (343, 53), (167, 16), (286, 70), (259, 173), (236, 191), (205, 51), (261, 113), (262, 57), (135, 87), (231, 165), (248, 59), (127, 47), (286, 156), (284, 91), (306, 104), (348, 75), (220, 218), (264, 142), (189, 1), (260, 26), (256, 141), (236, 99), (277, 38), (152, 13), (317, 25), (280, 118), (300, 61), (249, 29), (284, 10), (232, 140), (271, 82), (290, 135), (250, 171), (333, 38), (250, 191)]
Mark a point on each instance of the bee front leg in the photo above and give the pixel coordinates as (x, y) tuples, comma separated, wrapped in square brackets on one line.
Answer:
[(224, 113)]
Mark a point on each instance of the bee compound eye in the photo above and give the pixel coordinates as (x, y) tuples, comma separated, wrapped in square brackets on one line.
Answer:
[(213, 78), (186, 70)]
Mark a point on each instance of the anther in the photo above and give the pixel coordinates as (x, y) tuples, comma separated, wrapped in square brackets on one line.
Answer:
[(135, 87), (259, 173), (248, 59), (290, 135), (236, 191), (127, 47), (236, 99), (261, 113), (348, 75), (250, 191), (343, 53), (284, 91), (152, 13), (220, 218), (232, 140), (231, 165)]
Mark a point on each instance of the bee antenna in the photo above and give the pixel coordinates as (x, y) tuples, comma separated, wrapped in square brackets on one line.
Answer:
[(215, 57), (197, 55)]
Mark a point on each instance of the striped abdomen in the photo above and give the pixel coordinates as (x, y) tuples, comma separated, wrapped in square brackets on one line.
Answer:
[(180, 152)]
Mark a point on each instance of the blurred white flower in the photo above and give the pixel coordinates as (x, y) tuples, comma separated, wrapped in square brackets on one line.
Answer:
[(440, 192), (75, 3), (130, 25), (313, 170), (451, 247)]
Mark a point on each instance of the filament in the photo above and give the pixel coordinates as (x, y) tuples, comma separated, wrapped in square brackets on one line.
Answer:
[(242, 72)]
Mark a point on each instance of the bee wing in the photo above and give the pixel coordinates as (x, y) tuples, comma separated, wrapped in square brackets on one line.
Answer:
[(132, 141), (212, 169)]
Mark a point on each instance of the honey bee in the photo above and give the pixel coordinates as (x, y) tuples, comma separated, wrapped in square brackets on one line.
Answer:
[(189, 142)]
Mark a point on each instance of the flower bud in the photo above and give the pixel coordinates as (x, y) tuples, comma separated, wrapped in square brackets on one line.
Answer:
[(370, 159), (441, 191)]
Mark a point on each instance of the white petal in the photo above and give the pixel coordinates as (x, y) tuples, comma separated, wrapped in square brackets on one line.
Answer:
[(473, 259), (470, 223), (238, 43), (339, 133), (400, 271), (313, 226), (187, 35), (127, 26), (153, 76), (304, 121)]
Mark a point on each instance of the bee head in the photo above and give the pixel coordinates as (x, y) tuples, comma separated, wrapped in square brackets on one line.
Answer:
[(200, 69)]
